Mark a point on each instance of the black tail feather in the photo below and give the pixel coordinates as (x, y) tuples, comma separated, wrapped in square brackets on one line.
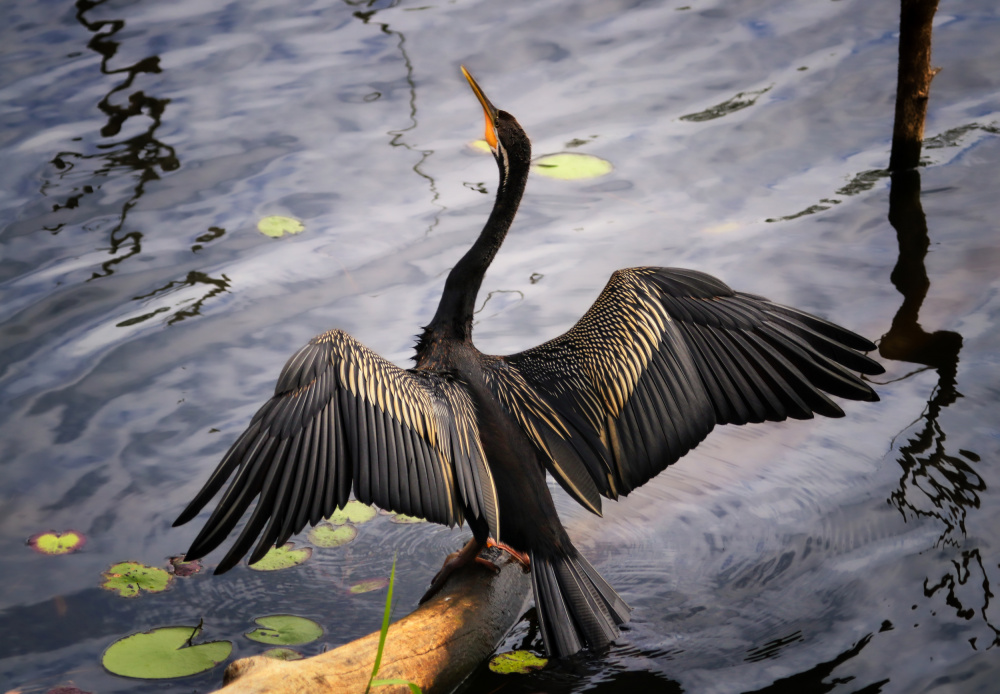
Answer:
[(576, 607)]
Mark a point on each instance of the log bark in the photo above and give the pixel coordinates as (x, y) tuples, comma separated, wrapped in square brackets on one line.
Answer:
[(435, 647)]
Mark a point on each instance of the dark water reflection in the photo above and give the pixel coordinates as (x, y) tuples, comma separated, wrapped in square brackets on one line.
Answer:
[(139, 158), (144, 318)]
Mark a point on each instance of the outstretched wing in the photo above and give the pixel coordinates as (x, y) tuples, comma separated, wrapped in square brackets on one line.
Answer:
[(661, 357), (342, 416)]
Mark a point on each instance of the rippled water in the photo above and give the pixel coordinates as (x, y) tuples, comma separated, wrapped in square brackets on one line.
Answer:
[(143, 318)]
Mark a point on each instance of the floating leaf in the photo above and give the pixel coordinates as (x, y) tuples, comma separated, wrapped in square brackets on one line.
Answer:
[(163, 653), (285, 630), (353, 512), (128, 578), (326, 535), (283, 557), (369, 585), (283, 654), (182, 568), (403, 518), (516, 662), (276, 225), (572, 165), (481, 146), (52, 542)]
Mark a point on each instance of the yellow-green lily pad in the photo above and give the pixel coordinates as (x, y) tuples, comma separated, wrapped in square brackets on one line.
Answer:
[(129, 578), (516, 663), (369, 585), (570, 166), (325, 535), (403, 518), (285, 630), (283, 557), (282, 654), (164, 653), (276, 226), (353, 512), (52, 542), (480, 146)]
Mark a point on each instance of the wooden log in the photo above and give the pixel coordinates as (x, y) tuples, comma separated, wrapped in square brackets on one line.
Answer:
[(436, 646)]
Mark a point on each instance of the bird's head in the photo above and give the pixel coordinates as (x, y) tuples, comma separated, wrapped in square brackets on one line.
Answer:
[(504, 134)]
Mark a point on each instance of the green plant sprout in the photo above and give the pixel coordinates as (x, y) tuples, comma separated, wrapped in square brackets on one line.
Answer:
[(372, 682)]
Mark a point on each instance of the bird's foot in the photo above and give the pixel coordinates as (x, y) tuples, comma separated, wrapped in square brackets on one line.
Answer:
[(520, 557), (470, 554), (454, 561)]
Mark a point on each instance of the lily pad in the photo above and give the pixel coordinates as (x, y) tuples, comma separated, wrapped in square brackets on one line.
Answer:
[(164, 653), (481, 146), (369, 585), (571, 166), (403, 518), (52, 542), (283, 557), (285, 630), (282, 654), (326, 535), (516, 663), (129, 578), (353, 512), (276, 225), (182, 568)]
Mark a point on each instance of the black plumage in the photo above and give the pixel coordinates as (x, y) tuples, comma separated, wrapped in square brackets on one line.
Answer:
[(662, 356)]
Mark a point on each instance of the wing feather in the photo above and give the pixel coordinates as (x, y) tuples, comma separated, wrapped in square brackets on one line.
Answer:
[(663, 356), (316, 460), (343, 417)]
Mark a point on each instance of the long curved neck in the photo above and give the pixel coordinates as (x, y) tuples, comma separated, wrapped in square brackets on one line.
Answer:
[(453, 319)]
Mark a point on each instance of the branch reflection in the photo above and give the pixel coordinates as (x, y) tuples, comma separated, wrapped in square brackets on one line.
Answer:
[(193, 306), (934, 483), (141, 155), (399, 136)]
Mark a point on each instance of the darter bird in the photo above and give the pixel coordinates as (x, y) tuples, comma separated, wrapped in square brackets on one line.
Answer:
[(662, 356)]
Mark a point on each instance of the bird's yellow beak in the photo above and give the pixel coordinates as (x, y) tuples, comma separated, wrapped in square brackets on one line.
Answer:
[(489, 110)]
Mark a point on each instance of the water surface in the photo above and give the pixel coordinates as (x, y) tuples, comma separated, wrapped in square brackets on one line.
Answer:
[(143, 318)]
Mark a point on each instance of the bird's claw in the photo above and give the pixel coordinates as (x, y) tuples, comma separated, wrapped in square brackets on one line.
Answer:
[(520, 557), (452, 563)]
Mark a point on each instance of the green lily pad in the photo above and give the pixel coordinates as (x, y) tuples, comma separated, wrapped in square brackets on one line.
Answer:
[(572, 165), (353, 512), (283, 557), (164, 653), (285, 630), (283, 654), (52, 542), (403, 518), (276, 225), (129, 578), (516, 663), (369, 585), (326, 535)]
